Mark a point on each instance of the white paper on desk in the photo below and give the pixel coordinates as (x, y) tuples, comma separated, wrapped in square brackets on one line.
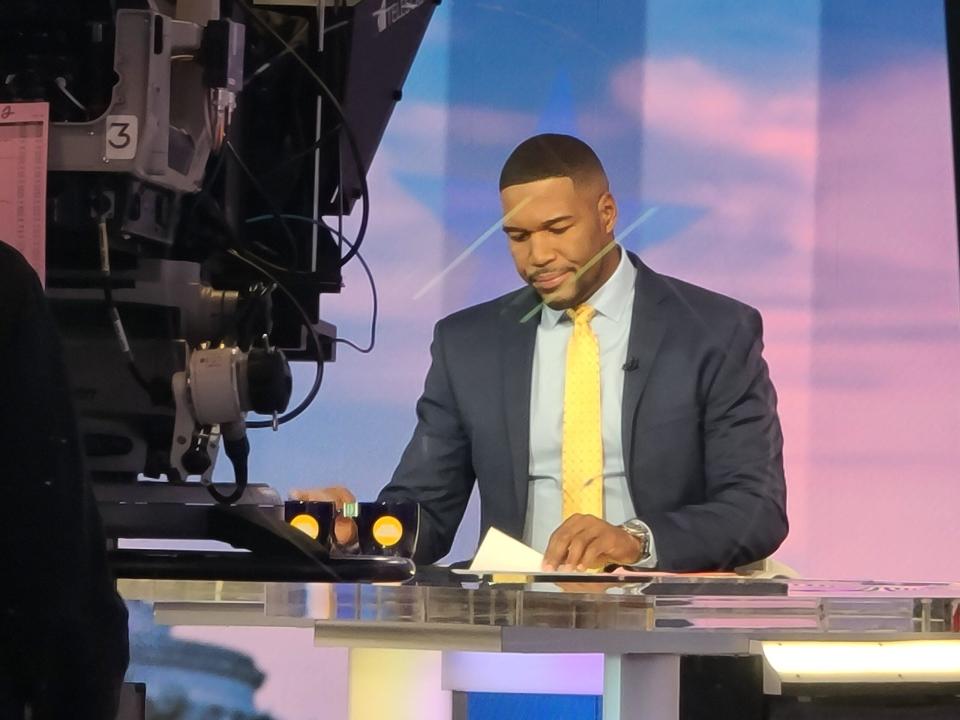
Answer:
[(501, 553)]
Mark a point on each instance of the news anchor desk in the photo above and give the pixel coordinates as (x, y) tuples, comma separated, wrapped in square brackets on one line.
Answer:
[(810, 637)]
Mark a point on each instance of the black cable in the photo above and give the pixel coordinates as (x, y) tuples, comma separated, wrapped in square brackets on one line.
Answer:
[(271, 62), (121, 334), (314, 335), (274, 210), (302, 153), (294, 39), (274, 213), (209, 179), (366, 268), (348, 131), (237, 451), (114, 314)]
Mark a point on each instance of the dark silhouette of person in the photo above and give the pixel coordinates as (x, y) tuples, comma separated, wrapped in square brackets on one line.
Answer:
[(63, 627)]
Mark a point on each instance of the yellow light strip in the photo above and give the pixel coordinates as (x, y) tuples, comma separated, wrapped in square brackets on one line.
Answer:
[(903, 661)]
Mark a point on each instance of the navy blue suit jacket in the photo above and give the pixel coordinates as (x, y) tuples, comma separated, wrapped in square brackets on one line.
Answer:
[(702, 444)]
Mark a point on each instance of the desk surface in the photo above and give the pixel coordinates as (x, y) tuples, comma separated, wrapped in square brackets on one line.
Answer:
[(653, 616)]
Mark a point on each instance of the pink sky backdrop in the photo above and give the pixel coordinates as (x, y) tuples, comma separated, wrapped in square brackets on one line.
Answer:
[(747, 157), (852, 257), (885, 441), (686, 99)]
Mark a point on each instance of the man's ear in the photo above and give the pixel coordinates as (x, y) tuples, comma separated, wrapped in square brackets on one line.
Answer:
[(607, 209)]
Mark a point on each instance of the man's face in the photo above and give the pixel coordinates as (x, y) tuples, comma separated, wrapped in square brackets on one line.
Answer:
[(555, 228)]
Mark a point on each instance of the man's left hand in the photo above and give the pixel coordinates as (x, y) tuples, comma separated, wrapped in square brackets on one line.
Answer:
[(586, 541)]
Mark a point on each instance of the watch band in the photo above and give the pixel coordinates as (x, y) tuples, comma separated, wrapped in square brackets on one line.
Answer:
[(639, 530)]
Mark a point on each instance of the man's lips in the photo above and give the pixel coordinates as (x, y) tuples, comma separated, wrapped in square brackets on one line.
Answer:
[(551, 280)]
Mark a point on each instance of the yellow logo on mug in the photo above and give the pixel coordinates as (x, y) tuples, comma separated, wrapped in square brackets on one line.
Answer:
[(387, 530), (306, 524)]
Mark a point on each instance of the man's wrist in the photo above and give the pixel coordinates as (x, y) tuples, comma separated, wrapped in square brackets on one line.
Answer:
[(638, 530)]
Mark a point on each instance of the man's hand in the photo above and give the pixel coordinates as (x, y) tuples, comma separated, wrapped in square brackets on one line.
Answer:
[(586, 541), (344, 529)]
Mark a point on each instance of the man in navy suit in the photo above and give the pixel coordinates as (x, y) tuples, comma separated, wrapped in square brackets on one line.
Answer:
[(692, 466)]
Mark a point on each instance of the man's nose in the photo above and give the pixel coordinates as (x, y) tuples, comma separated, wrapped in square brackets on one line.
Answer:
[(542, 252)]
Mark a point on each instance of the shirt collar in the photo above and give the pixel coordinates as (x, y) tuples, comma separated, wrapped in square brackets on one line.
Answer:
[(611, 300)]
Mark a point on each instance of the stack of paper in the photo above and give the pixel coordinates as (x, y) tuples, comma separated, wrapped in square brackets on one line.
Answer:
[(500, 553)]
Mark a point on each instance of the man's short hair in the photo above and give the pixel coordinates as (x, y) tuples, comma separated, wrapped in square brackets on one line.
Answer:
[(551, 155)]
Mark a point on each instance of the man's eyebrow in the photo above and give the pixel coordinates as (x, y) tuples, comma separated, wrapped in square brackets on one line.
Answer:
[(545, 224)]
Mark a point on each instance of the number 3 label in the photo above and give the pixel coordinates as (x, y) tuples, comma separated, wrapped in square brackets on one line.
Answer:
[(121, 139)]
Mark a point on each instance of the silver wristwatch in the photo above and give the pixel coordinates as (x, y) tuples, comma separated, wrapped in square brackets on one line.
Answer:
[(641, 532)]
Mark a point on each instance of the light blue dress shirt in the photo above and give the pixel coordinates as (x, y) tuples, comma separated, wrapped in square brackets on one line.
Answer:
[(613, 303)]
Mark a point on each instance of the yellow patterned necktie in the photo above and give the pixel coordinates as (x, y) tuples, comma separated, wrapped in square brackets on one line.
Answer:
[(581, 456)]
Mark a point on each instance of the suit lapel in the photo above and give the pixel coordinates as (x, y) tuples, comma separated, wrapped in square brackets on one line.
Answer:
[(519, 339), (647, 328)]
